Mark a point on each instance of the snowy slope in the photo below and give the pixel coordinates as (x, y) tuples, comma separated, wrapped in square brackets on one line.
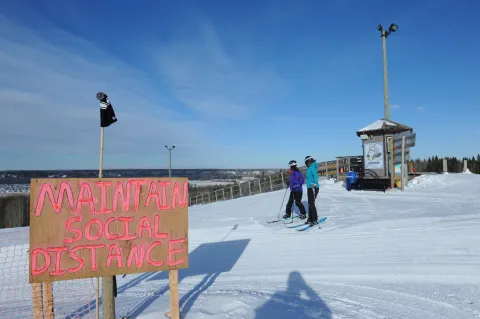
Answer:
[(411, 254)]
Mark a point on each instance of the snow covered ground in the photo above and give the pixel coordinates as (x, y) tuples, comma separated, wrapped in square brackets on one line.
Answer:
[(412, 254)]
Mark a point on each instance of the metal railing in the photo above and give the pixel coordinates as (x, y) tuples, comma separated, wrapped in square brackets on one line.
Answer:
[(261, 185)]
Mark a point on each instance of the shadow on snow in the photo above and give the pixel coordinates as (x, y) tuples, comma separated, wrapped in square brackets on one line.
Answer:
[(210, 260), (299, 300)]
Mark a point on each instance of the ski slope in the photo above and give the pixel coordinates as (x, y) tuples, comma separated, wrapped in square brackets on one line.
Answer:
[(412, 254)]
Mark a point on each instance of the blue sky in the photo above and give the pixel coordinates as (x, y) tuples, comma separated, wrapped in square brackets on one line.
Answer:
[(231, 83)]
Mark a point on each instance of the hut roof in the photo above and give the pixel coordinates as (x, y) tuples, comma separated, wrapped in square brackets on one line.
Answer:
[(384, 126)]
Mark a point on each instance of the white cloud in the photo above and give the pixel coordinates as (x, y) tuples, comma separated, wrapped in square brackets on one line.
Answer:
[(48, 105), (420, 108), (394, 106), (215, 83)]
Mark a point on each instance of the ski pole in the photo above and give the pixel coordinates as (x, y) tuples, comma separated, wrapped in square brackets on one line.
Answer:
[(280, 212), (293, 210)]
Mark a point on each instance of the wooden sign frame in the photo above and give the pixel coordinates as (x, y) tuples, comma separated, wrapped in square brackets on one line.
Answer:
[(106, 227)]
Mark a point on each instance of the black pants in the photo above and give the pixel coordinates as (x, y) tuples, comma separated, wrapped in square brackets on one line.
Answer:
[(316, 192), (297, 196), (312, 210)]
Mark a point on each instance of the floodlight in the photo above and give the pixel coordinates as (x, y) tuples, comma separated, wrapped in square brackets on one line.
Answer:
[(379, 27), (393, 27), (173, 147), (101, 96)]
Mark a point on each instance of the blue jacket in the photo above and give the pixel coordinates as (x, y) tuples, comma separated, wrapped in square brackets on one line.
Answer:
[(312, 175), (296, 181), (352, 177)]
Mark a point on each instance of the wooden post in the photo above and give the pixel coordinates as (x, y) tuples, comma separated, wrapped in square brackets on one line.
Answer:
[(240, 188), (392, 166), (174, 311), (37, 301), (445, 167), (259, 186), (231, 191), (403, 164), (348, 163), (465, 165), (223, 191), (271, 186), (108, 298), (249, 188), (283, 181), (216, 197), (48, 300), (338, 174)]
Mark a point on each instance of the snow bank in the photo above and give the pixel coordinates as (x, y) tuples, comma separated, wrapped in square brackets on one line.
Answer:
[(431, 181), (467, 171)]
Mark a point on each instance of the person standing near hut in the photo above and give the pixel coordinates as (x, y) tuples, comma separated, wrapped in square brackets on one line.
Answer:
[(312, 188), (296, 191)]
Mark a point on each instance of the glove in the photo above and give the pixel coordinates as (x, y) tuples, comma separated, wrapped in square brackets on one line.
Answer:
[(287, 183), (313, 185)]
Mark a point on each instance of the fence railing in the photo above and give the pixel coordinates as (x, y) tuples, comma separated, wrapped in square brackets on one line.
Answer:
[(18, 298), (266, 184)]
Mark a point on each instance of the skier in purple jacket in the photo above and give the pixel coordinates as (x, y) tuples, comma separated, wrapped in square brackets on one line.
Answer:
[(296, 191)]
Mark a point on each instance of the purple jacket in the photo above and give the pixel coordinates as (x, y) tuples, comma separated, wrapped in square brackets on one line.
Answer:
[(296, 181)]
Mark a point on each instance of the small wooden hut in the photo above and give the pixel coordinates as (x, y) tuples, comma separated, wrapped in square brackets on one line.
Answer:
[(376, 153)]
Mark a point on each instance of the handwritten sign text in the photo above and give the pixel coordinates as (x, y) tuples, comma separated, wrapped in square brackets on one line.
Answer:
[(81, 228)]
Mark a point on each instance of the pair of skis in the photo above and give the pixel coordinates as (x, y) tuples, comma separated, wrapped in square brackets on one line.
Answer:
[(297, 226), (286, 220), (308, 226)]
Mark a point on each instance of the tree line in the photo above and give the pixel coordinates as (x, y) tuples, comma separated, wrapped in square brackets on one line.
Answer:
[(454, 165)]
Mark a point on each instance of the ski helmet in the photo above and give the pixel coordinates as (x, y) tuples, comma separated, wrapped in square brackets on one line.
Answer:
[(292, 163), (308, 159)]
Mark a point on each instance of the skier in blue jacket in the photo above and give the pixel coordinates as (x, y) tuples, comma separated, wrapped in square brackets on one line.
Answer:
[(312, 188), (296, 191)]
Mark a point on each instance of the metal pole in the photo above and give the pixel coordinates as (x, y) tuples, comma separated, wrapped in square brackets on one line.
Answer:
[(385, 76), (403, 163), (170, 163), (392, 164), (170, 159)]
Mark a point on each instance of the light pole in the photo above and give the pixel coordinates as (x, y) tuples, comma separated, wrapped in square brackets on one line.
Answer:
[(170, 160), (384, 34)]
